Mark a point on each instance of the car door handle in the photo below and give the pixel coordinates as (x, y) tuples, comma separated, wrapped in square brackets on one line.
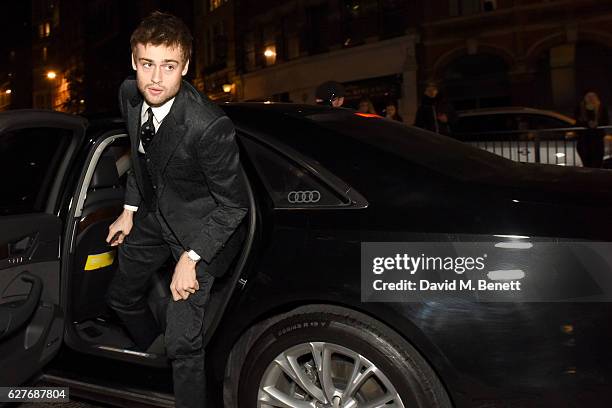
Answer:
[(20, 250), (13, 315)]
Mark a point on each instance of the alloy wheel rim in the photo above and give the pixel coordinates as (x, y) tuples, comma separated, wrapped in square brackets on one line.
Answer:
[(325, 375)]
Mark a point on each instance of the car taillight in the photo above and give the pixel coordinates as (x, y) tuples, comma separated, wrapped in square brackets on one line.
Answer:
[(368, 115)]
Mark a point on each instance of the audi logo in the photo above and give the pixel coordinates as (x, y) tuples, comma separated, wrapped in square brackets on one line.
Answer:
[(301, 197)]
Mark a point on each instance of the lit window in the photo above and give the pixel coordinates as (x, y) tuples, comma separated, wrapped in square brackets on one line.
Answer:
[(47, 29), (270, 54), (215, 4)]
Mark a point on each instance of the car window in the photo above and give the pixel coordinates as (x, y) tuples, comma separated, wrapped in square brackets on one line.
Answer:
[(488, 123), (466, 124), (288, 183), (546, 122), (29, 159)]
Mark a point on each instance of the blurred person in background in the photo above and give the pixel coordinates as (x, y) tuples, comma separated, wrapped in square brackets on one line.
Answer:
[(434, 113), (330, 93), (391, 112), (591, 113), (366, 106)]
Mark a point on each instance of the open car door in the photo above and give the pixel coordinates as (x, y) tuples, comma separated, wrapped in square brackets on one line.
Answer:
[(37, 149)]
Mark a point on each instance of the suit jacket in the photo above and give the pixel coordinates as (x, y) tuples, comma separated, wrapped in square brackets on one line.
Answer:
[(195, 170)]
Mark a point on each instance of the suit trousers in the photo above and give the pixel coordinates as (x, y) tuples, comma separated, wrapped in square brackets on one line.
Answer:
[(142, 253)]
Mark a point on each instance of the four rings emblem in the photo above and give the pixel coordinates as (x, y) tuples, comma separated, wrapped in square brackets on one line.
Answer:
[(301, 197)]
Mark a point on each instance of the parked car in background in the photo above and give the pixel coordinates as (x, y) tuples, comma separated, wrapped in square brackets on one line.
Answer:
[(521, 134)]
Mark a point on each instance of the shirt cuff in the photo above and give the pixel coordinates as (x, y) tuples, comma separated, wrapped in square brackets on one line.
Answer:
[(193, 255), (130, 207)]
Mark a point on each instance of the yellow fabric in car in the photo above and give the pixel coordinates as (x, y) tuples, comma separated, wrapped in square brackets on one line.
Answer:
[(97, 261)]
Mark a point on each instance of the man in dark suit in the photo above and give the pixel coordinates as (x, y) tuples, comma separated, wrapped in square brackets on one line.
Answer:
[(185, 197)]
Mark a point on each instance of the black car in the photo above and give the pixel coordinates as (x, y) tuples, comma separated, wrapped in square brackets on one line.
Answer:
[(287, 325), (521, 134)]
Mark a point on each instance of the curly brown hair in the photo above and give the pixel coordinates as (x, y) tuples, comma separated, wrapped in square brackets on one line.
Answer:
[(163, 29)]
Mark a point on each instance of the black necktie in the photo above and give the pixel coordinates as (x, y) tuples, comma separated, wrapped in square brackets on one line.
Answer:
[(147, 130)]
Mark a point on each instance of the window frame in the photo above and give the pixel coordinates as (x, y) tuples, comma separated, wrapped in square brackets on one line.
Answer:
[(354, 199), (35, 119)]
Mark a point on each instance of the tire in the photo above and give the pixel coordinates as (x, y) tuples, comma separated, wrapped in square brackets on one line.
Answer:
[(346, 335)]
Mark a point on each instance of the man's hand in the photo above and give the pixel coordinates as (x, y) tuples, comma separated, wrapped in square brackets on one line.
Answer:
[(184, 281), (122, 227)]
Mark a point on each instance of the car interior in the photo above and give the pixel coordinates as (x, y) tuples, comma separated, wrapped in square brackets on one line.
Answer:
[(97, 329)]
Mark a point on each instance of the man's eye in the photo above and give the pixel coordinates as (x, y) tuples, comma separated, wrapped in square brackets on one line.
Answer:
[(146, 65), (170, 67)]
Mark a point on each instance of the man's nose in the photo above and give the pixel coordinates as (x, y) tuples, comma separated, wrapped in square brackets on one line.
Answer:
[(156, 76)]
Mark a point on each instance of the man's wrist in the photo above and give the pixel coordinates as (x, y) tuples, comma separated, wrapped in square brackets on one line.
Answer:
[(132, 208), (192, 256)]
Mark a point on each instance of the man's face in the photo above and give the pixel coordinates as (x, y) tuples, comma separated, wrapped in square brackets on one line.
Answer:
[(431, 91), (591, 98), (337, 102), (159, 70)]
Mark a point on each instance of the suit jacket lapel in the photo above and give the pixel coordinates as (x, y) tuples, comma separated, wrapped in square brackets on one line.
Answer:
[(167, 140), (133, 119), (170, 132), (134, 106)]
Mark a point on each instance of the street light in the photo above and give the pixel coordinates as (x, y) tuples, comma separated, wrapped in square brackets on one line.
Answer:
[(8, 91), (51, 75), (227, 88), (269, 52)]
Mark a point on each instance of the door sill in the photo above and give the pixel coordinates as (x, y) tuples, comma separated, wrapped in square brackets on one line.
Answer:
[(74, 341), (121, 397)]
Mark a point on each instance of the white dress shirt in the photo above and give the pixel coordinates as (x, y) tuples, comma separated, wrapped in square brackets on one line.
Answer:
[(159, 113)]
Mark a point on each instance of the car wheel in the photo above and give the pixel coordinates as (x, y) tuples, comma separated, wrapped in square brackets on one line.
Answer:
[(323, 356)]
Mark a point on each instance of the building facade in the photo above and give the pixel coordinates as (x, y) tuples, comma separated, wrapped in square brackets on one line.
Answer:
[(15, 57), (215, 49), (81, 50), (483, 52), (282, 50), (52, 69), (517, 52)]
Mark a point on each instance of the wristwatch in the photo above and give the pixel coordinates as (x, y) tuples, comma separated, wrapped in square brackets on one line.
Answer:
[(192, 256)]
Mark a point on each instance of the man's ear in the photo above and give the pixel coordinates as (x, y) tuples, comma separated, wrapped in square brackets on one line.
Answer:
[(133, 62), (185, 68)]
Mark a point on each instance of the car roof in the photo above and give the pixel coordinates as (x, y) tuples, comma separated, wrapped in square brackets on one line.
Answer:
[(515, 109), (366, 133)]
